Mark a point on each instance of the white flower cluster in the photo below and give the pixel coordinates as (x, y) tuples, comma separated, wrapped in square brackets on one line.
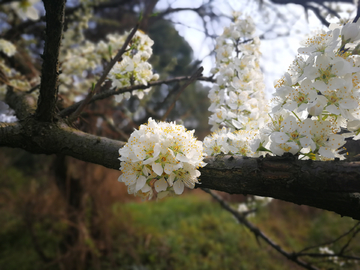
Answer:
[(322, 90), (7, 47), (12, 78), (334, 259), (160, 156), (250, 206), (311, 138), (134, 68), (240, 142), (78, 62), (237, 97)]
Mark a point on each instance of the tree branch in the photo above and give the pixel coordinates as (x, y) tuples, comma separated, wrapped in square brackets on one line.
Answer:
[(258, 233), (357, 12), (49, 138), (110, 93), (117, 58), (193, 78), (329, 242), (332, 185), (55, 10), (20, 103)]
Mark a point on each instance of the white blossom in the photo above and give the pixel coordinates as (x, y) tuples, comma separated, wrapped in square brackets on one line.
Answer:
[(162, 157), (25, 9), (7, 47)]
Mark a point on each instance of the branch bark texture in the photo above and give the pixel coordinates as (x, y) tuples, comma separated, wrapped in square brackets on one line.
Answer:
[(333, 186), (55, 10)]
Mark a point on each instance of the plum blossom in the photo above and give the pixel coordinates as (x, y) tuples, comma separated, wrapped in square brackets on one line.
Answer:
[(240, 142), (7, 47), (25, 9), (160, 157), (79, 61), (322, 89), (237, 97)]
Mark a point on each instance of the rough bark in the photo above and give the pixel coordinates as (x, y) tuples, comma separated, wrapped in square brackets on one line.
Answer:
[(55, 10), (333, 186)]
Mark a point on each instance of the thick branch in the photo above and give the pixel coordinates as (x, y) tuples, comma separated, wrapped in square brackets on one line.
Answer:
[(48, 138), (20, 103), (55, 10), (332, 186)]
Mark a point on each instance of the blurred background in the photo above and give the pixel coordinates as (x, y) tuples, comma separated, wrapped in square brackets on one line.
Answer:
[(60, 213)]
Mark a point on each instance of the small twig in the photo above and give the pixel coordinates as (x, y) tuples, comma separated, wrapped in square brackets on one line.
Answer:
[(258, 233), (348, 242), (67, 111), (192, 79), (117, 58), (109, 121), (318, 14), (357, 12), (322, 255), (329, 242), (33, 89)]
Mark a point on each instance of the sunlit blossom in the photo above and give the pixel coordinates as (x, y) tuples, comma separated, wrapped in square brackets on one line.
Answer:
[(162, 156)]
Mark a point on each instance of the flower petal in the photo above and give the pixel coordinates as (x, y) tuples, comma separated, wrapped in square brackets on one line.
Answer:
[(179, 187), (140, 183), (157, 168), (161, 185)]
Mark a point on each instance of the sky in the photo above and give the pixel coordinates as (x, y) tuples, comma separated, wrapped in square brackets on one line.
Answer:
[(277, 52)]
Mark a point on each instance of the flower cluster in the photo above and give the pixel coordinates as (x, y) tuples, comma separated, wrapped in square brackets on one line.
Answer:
[(334, 259), (161, 157), (252, 204), (7, 47), (311, 138), (81, 61), (237, 97), (322, 90), (240, 142), (12, 78), (134, 68)]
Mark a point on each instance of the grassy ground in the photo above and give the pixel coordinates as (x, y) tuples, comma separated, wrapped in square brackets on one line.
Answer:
[(186, 232)]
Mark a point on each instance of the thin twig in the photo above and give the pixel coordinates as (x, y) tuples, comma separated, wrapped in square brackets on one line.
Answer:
[(330, 242), (33, 89), (348, 242), (258, 233), (323, 255), (192, 79), (102, 95), (110, 122), (357, 12), (97, 87)]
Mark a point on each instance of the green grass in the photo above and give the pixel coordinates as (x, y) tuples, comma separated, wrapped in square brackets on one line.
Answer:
[(195, 233), (185, 232)]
